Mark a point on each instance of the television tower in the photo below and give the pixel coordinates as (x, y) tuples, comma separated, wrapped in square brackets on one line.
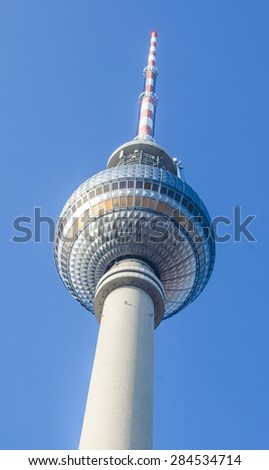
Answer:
[(133, 245)]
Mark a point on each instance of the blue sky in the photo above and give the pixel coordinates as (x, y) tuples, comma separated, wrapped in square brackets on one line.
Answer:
[(71, 72)]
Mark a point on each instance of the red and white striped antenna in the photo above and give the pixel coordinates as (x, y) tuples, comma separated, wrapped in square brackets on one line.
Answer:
[(148, 99)]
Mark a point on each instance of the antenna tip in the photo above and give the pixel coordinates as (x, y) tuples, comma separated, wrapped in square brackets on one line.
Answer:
[(154, 34)]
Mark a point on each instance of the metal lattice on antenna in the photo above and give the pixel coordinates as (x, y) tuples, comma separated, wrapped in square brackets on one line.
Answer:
[(148, 99)]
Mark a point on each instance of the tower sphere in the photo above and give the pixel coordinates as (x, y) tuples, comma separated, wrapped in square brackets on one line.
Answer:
[(139, 208)]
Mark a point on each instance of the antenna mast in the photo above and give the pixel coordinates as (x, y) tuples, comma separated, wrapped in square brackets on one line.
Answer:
[(148, 99)]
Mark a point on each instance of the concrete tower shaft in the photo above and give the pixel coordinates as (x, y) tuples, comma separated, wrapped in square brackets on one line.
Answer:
[(119, 407)]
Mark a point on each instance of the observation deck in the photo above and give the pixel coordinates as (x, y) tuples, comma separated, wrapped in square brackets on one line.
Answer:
[(138, 208)]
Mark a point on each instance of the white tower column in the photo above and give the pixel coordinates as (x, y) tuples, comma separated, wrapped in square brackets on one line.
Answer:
[(128, 302)]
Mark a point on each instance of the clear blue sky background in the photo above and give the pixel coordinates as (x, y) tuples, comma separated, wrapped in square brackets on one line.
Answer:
[(71, 72)]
